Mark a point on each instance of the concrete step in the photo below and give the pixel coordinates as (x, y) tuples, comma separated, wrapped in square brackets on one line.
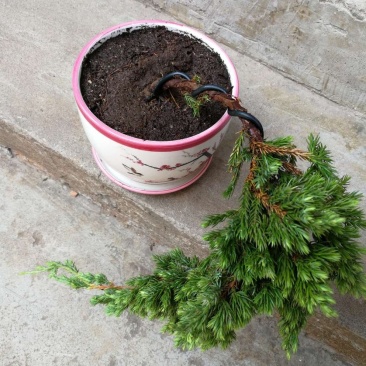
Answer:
[(38, 119), (45, 323)]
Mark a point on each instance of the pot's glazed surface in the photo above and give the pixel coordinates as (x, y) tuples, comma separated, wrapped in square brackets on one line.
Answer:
[(144, 166)]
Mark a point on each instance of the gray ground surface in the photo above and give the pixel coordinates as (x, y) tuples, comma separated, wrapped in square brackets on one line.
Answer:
[(108, 229), (44, 323)]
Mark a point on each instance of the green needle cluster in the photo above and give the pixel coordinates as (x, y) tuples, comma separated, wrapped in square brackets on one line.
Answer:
[(293, 237)]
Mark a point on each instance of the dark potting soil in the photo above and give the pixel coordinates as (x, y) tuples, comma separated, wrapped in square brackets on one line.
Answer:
[(116, 75)]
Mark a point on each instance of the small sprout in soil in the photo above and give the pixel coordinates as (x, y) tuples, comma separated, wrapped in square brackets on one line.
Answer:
[(196, 104), (196, 79)]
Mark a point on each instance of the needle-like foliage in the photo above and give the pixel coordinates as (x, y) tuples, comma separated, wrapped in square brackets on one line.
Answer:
[(292, 238), (293, 235)]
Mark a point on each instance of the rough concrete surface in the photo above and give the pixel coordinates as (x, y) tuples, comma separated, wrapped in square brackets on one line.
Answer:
[(39, 41), (319, 43), (39, 104), (45, 323)]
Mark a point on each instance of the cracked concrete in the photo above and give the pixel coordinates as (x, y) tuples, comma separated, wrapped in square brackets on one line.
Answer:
[(356, 8)]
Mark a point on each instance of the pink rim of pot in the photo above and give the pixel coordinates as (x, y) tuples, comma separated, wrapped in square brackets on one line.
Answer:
[(150, 145)]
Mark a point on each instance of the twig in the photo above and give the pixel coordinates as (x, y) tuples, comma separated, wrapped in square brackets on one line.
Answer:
[(110, 286)]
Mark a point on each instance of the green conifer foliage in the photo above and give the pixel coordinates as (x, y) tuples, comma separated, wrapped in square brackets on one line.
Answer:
[(291, 240), (293, 236)]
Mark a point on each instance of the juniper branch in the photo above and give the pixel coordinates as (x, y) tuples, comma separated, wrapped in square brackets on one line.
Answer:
[(292, 236)]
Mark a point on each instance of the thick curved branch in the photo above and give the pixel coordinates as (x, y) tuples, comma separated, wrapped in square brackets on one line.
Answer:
[(226, 100)]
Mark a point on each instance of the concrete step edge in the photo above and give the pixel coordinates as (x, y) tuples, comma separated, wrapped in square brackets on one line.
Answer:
[(348, 345)]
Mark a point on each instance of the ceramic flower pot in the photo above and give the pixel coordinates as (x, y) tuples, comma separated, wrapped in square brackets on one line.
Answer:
[(143, 166)]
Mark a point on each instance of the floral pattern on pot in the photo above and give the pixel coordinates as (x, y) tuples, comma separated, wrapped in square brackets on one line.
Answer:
[(203, 153), (141, 167)]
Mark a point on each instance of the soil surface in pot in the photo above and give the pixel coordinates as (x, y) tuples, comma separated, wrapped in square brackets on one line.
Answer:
[(116, 75)]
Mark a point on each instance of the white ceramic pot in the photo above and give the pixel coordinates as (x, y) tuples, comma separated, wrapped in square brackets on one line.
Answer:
[(150, 167)]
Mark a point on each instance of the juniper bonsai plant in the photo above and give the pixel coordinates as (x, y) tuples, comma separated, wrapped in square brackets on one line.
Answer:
[(290, 241)]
